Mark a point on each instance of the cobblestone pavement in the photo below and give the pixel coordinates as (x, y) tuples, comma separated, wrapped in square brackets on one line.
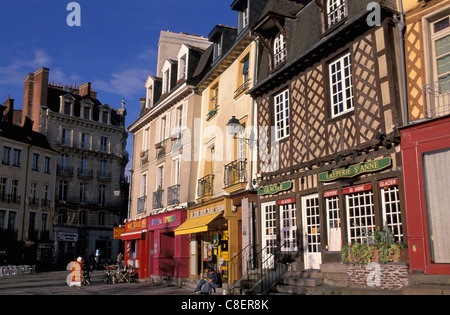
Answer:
[(54, 283)]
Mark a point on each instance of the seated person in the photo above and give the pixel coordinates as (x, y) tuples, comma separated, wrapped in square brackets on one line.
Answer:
[(203, 280), (213, 282)]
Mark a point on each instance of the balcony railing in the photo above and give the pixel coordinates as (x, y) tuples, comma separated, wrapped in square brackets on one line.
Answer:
[(84, 172), (141, 204), (206, 186), (144, 157), (64, 170), (244, 87), (436, 99), (336, 15), (160, 149), (173, 195), (235, 173), (158, 199), (103, 175)]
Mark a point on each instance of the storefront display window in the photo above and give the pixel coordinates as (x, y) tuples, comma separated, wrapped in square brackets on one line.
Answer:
[(360, 213), (288, 213), (391, 208)]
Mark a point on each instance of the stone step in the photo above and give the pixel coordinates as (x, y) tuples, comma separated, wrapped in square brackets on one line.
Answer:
[(304, 282)]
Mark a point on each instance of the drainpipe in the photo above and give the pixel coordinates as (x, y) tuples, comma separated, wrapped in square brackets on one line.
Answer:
[(401, 27)]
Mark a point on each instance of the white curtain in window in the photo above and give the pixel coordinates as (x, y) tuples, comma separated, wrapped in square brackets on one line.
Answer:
[(437, 183)]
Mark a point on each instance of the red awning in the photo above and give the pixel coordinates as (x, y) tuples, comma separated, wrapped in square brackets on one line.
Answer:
[(133, 235)]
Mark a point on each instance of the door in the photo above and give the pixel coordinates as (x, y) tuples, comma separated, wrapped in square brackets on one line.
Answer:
[(311, 232), (269, 232)]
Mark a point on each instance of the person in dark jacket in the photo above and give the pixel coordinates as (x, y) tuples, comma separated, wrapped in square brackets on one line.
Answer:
[(212, 283)]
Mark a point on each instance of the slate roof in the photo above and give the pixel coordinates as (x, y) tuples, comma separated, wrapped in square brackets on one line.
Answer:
[(24, 135)]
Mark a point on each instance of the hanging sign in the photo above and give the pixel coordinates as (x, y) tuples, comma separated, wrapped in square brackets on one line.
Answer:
[(275, 189), (355, 170)]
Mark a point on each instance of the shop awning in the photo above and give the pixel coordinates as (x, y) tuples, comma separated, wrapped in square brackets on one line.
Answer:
[(196, 225), (132, 235)]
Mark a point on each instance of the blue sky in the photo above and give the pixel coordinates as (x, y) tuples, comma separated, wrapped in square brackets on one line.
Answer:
[(115, 48)]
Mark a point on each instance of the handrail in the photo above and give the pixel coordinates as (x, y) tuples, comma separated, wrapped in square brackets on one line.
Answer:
[(236, 264)]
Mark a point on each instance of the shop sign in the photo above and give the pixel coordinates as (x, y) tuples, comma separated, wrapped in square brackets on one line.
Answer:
[(67, 237), (331, 193), (136, 225), (167, 219), (212, 209), (286, 201), (118, 231), (275, 189), (356, 189), (388, 183), (355, 170)]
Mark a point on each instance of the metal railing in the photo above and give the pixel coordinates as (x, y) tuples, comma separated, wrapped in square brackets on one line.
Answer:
[(235, 173), (436, 99), (206, 186), (336, 15), (158, 199), (264, 269)]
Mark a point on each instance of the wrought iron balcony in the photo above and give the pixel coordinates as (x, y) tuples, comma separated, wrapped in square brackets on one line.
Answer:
[(158, 199), (85, 172), (64, 170), (173, 195), (436, 99), (160, 149), (206, 186), (244, 87), (235, 173)]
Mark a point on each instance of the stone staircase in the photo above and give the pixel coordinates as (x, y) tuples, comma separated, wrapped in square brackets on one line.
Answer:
[(299, 282)]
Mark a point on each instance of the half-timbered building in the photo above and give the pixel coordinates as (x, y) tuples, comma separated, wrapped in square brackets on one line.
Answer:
[(329, 108)]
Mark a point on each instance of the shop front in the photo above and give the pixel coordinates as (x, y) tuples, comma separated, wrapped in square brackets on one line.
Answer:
[(168, 253), (426, 152), (215, 236), (136, 246), (314, 213)]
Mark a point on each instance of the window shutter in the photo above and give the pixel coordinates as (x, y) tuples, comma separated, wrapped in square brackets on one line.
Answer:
[(158, 131), (185, 114)]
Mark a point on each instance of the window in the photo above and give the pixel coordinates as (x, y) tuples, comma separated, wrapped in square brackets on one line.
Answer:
[(441, 53), (341, 86), (214, 101), (6, 156), (182, 68), (12, 220), (166, 81), (176, 171), (2, 220), (102, 171), (288, 215), (67, 108), (84, 165), (105, 117), (17, 157), (360, 216), (3, 188), (64, 163), (15, 198), (217, 49), (31, 223), (83, 192), (279, 50), (65, 137), (269, 231), (87, 112), (160, 178), (149, 101), (335, 12), (63, 190), (85, 141), (35, 164), (104, 144), (143, 185), (391, 211), (333, 221), (82, 217), (101, 218), (34, 199), (282, 115), (44, 222), (47, 161), (102, 195)]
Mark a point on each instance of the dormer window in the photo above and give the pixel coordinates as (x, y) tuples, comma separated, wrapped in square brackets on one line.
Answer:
[(166, 81), (87, 112), (149, 101), (66, 105), (336, 12), (67, 108), (279, 50), (218, 48), (105, 117), (182, 68), (243, 18)]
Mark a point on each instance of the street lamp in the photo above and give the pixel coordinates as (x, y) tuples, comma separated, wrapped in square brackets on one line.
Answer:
[(233, 128)]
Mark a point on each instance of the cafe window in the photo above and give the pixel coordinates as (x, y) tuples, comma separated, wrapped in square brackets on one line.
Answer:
[(391, 211), (333, 221), (288, 214), (360, 213)]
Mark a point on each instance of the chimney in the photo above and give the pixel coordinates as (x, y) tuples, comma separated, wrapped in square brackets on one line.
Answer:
[(27, 96), (40, 93), (85, 89), (9, 110)]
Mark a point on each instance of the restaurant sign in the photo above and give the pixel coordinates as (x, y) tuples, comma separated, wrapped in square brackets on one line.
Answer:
[(355, 170), (275, 189)]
